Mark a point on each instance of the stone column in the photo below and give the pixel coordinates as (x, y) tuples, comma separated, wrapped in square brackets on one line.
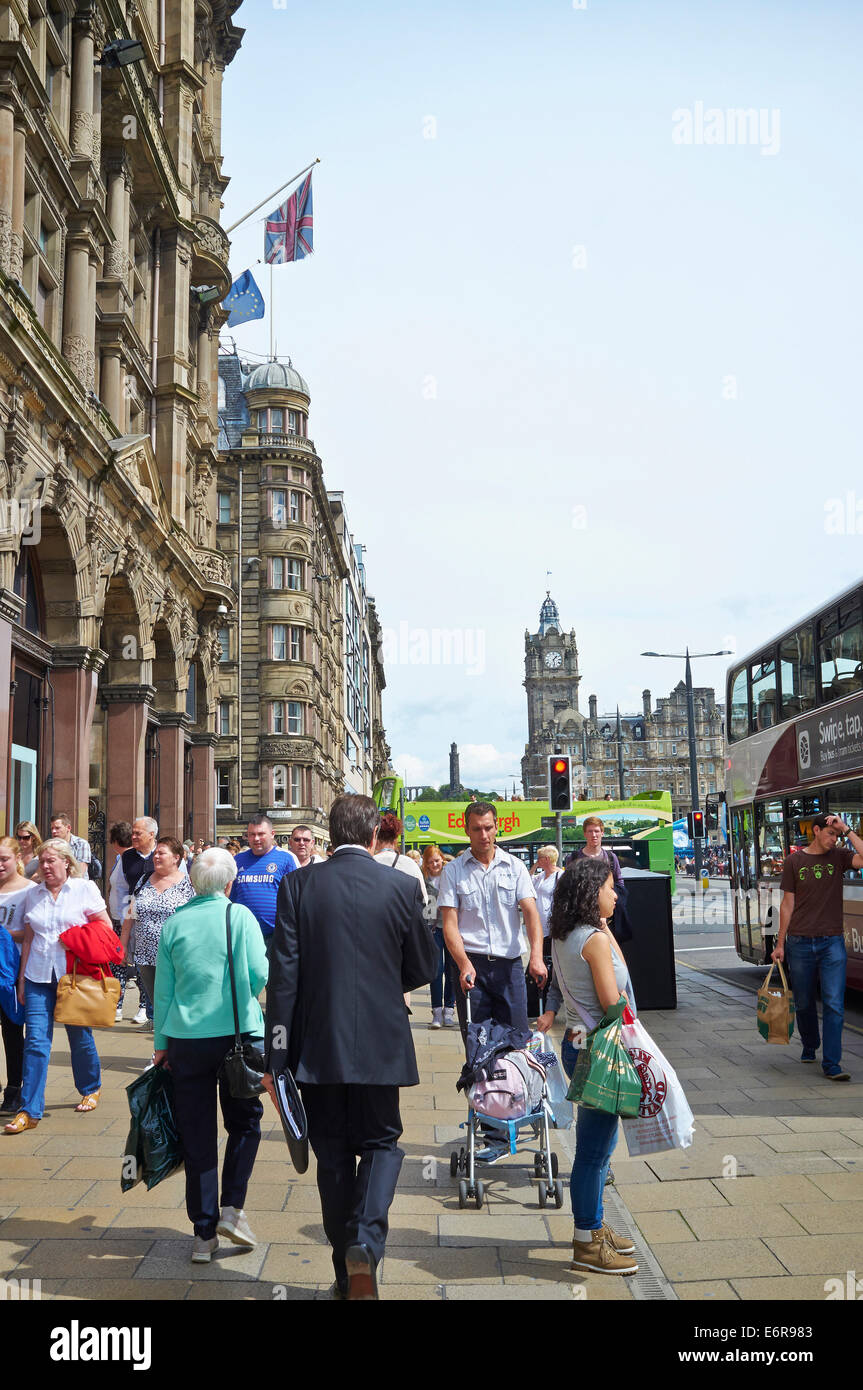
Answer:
[(172, 753), (128, 709), (111, 386), (16, 256), (81, 123), (7, 184), (203, 786), (116, 258), (75, 679), (78, 327)]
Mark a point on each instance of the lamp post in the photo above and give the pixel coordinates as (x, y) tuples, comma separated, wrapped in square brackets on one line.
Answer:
[(690, 719)]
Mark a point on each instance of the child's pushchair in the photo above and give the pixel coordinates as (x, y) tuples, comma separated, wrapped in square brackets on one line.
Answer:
[(507, 1091)]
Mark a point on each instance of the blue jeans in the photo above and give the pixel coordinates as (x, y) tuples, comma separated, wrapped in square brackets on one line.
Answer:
[(808, 957), (442, 986), (39, 1001), (595, 1139)]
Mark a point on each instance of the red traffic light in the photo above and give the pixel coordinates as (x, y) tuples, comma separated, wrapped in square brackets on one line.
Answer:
[(559, 765)]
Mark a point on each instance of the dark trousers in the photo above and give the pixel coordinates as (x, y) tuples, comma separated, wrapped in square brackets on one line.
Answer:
[(194, 1063), (535, 1001), (13, 1046), (346, 1123), (499, 992)]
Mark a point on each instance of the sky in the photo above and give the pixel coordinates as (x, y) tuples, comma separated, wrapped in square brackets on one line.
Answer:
[(566, 313)]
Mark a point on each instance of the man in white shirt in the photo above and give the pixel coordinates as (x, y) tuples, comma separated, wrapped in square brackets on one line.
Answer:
[(302, 844), (480, 894)]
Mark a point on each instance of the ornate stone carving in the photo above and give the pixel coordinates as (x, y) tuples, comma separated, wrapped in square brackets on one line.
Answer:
[(16, 256), (133, 469), (81, 134), (210, 240), (116, 261), (5, 239), (75, 353), (203, 483)]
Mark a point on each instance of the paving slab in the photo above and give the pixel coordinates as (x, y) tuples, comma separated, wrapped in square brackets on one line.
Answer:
[(717, 1259)]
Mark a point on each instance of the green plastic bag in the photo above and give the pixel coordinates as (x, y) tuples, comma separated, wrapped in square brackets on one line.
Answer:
[(604, 1076), (153, 1148)]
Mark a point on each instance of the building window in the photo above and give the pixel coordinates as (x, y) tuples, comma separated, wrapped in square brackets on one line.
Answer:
[(278, 506), (674, 750), (296, 786), (276, 420), (277, 717), (223, 786), (295, 717), (350, 749), (224, 508), (277, 572), (296, 644), (224, 644), (224, 717), (279, 642), (295, 574), (280, 786), (296, 507)]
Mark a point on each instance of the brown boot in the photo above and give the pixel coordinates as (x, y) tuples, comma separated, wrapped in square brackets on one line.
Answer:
[(599, 1256), (622, 1244)]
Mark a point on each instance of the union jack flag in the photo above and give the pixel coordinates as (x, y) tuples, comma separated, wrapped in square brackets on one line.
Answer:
[(288, 235)]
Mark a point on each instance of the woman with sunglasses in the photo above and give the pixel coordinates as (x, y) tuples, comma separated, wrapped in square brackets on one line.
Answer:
[(29, 844)]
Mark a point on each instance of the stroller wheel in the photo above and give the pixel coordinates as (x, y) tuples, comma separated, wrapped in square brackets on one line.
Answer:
[(453, 1165), (542, 1194), (537, 1164), (558, 1194), (479, 1195), (554, 1165), (462, 1193)]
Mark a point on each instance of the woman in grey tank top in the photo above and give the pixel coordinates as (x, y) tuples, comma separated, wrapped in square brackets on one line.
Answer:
[(591, 975)]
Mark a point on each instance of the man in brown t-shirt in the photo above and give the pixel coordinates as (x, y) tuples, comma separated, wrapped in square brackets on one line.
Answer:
[(811, 932)]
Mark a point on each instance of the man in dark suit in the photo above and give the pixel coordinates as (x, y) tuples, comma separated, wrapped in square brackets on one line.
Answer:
[(349, 940)]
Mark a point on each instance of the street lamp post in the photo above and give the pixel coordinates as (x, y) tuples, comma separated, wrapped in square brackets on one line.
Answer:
[(690, 719)]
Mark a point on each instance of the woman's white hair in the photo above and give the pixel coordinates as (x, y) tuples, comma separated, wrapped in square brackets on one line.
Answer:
[(212, 871), (64, 850)]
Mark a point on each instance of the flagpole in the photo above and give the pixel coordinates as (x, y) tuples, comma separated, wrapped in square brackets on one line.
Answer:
[(271, 196), (272, 311)]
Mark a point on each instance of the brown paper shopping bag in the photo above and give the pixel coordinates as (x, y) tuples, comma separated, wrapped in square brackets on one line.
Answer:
[(776, 1009)]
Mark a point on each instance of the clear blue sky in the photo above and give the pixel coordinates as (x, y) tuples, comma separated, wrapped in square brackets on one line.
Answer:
[(659, 418)]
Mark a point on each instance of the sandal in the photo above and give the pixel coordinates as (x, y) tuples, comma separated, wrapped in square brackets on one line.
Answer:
[(21, 1122), (89, 1103)]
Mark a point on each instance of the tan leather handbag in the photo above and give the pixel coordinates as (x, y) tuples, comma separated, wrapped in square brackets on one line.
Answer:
[(85, 1002)]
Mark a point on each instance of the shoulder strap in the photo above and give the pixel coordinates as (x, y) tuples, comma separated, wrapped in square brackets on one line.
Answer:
[(559, 980), (231, 971)]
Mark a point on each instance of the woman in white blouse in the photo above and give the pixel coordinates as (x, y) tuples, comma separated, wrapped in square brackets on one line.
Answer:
[(63, 899)]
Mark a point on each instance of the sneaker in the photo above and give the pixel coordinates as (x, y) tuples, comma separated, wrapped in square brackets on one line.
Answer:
[(599, 1256), (449, 1018), (491, 1152), (235, 1226), (622, 1244), (11, 1101), (838, 1075), (808, 1054), (148, 1026), (437, 1018), (118, 1017), (140, 1016), (203, 1250), (610, 1179)]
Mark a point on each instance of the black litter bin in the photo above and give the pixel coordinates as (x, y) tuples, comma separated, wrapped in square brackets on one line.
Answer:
[(650, 953)]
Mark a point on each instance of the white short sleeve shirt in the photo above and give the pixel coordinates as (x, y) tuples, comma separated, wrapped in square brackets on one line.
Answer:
[(78, 900), (487, 899)]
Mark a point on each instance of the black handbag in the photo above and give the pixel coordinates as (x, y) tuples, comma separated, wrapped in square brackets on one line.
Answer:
[(244, 1065)]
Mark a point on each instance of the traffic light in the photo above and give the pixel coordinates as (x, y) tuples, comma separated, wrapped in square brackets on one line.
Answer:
[(695, 825), (711, 815), (559, 783)]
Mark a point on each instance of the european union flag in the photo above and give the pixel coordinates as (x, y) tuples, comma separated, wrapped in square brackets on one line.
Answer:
[(244, 300)]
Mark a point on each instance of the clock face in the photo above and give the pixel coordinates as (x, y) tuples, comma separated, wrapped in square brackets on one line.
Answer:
[(553, 660)]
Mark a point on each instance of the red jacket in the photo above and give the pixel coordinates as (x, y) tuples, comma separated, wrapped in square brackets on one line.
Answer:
[(91, 946)]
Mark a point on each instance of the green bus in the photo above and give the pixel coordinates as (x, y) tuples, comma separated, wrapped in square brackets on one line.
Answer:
[(638, 829)]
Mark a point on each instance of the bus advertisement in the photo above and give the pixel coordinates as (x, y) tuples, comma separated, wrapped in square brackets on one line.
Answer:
[(795, 749), (639, 827)]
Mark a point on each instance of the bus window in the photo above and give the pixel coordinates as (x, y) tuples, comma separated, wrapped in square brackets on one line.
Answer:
[(743, 847), (847, 801), (762, 676), (797, 669), (799, 811), (769, 818), (840, 651), (738, 726)]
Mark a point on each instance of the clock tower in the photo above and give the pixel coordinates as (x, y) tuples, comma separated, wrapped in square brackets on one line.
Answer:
[(551, 680)]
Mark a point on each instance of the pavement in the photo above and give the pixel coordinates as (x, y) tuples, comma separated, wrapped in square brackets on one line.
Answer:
[(767, 1204)]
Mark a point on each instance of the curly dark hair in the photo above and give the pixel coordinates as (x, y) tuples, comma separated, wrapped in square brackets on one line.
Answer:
[(576, 897)]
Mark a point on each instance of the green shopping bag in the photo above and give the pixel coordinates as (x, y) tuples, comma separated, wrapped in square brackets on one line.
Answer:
[(604, 1077)]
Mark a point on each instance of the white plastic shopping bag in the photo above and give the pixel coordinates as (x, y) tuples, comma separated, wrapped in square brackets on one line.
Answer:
[(664, 1120), (558, 1085)]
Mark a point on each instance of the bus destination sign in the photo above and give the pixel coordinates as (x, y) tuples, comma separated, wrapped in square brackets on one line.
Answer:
[(831, 741)]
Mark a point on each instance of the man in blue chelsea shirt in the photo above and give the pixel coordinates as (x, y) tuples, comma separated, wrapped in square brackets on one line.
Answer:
[(260, 870)]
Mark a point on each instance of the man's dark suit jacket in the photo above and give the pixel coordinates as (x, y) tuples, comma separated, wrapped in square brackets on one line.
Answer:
[(350, 939)]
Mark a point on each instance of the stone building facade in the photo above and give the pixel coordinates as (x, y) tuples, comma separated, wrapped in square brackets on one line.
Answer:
[(655, 742), (112, 268), (299, 679)]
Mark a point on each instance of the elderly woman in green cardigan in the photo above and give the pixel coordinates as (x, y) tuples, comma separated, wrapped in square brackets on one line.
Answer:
[(193, 1029)]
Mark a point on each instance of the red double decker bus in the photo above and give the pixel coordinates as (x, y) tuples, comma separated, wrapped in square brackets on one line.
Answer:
[(794, 720)]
